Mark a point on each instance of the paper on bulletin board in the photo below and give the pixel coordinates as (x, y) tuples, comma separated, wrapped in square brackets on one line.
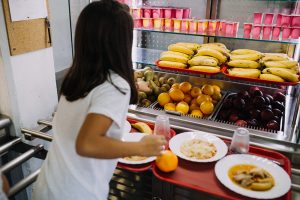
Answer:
[(27, 9)]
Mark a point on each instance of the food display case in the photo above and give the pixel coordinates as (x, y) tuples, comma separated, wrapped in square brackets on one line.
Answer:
[(150, 42)]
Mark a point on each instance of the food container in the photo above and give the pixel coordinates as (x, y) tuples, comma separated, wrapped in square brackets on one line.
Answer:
[(285, 20), (269, 18), (247, 30), (295, 21), (193, 26), (177, 25), (257, 16), (286, 32), (295, 34), (222, 27), (148, 23), (185, 25), (235, 28), (138, 23), (186, 13), (276, 32), (229, 28), (218, 25), (169, 13), (158, 23), (202, 26), (212, 25), (179, 13), (279, 18), (137, 13), (147, 12), (256, 31), (169, 24), (157, 13), (267, 29)]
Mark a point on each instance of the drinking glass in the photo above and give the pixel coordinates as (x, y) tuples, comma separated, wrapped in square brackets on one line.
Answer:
[(286, 32), (269, 18), (240, 141), (247, 30), (256, 31), (267, 32), (162, 127), (257, 18), (276, 32)]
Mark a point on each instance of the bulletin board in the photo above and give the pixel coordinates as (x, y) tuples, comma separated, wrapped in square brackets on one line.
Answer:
[(26, 36)]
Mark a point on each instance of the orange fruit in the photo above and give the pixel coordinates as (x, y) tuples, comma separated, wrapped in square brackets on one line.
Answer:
[(187, 98), (195, 92), (208, 89), (217, 89), (197, 113), (170, 106), (182, 107), (163, 98), (167, 161), (194, 106), (194, 101), (176, 94), (217, 96), (202, 97), (175, 85), (185, 87), (207, 107)]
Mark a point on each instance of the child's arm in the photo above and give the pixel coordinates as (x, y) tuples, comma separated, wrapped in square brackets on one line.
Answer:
[(92, 141)]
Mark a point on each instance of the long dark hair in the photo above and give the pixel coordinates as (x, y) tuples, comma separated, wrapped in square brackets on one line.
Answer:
[(103, 42)]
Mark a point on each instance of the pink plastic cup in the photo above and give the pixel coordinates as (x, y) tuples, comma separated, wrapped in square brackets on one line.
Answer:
[(218, 25), (295, 34), (285, 20), (267, 29), (256, 31), (257, 17), (202, 26), (158, 23), (229, 28), (269, 18), (169, 13), (179, 13), (278, 20), (177, 25), (193, 26), (235, 28), (138, 23), (148, 23), (286, 32), (223, 27), (276, 32), (157, 13), (295, 20), (169, 24), (185, 25), (147, 13), (186, 13), (137, 13), (247, 30), (212, 25)]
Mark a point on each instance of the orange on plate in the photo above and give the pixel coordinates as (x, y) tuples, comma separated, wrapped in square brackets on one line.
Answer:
[(185, 87), (167, 161), (163, 98), (176, 94), (182, 107)]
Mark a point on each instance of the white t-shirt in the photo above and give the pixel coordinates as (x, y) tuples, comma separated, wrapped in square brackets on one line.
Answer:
[(67, 176)]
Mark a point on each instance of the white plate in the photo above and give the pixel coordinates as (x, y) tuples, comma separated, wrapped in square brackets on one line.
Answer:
[(127, 127), (176, 142), (282, 179), (134, 137)]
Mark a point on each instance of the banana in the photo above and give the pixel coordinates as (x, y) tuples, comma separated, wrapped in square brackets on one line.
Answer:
[(192, 46), (213, 53), (203, 60), (271, 77), (253, 57), (286, 75), (245, 73), (222, 50), (293, 71), (142, 127), (275, 57), (245, 51), (174, 58), (171, 64), (181, 49), (244, 64), (215, 44), (174, 53), (208, 69), (281, 64)]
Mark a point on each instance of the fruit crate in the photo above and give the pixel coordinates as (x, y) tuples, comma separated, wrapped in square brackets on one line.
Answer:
[(252, 116)]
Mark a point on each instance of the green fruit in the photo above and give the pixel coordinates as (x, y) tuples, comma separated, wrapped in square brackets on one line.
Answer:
[(157, 83), (149, 75), (142, 95), (162, 80), (171, 81), (164, 89), (146, 102), (166, 86), (147, 68), (155, 77)]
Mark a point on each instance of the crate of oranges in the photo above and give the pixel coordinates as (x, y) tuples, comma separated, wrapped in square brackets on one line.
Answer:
[(192, 101)]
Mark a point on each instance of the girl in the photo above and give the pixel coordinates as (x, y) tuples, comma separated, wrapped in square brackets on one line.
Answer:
[(92, 109)]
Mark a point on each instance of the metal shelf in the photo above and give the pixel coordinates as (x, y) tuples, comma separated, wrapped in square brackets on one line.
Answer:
[(4, 122), (238, 37)]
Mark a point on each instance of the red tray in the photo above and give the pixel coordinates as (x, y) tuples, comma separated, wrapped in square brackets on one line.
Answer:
[(224, 70), (190, 71), (201, 177), (142, 167)]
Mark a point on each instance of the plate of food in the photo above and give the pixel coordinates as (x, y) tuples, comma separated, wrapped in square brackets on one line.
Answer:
[(252, 176), (198, 146), (135, 160)]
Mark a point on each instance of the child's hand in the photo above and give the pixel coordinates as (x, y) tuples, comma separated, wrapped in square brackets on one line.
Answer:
[(152, 145)]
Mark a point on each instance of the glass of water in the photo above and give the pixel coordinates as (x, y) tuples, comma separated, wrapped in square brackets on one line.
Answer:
[(162, 127), (240, 141)]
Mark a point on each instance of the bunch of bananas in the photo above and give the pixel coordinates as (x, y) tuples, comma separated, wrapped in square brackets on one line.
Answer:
[(142, 127), (245, 63)]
